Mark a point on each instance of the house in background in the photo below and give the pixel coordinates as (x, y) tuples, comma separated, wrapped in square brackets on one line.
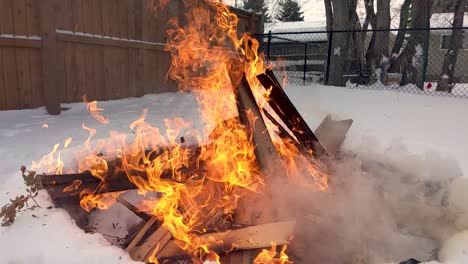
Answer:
[(296, 40), (438, 43)]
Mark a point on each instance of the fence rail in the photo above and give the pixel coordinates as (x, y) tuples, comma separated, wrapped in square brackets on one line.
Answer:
[(307, 57), (56, 51)]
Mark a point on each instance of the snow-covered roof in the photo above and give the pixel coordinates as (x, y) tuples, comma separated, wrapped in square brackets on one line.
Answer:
[(445, 20), (298, 26)]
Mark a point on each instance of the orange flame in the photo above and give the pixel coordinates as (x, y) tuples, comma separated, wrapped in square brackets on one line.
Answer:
[(95, 111), (272, 256), (196, 184)]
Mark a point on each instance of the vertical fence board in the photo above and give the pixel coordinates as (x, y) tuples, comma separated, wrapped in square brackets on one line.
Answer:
[(131, 15), (77, 15), (89, 26), (22, 55), (33, 28), (6, 17), (2, 84), (71, 72), (123, 18), (36, 78), (9, 58), (10, 80), (61, 67), (106, 14), (65, 15)]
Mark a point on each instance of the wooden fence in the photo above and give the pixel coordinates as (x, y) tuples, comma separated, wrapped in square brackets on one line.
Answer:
[(56, 51)]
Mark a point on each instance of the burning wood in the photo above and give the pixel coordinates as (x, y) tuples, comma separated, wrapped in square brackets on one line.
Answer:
[(210, 187)]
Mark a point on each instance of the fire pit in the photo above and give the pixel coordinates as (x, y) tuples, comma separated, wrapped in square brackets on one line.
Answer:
[(210, 199)]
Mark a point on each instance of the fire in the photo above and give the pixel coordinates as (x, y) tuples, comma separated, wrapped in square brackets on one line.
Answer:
[(95, 111), (195, 182), (271, 256)]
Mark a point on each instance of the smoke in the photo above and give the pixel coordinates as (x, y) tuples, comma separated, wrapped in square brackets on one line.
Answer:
[(382, 206)]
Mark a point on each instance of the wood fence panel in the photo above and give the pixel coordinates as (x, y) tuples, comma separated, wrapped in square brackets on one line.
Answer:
[(104, 68)]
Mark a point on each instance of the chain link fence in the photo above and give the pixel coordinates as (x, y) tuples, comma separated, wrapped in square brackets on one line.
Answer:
[(414, 59)]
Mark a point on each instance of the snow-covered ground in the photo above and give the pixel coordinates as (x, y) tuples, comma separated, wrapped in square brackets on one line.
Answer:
[(431, 129)]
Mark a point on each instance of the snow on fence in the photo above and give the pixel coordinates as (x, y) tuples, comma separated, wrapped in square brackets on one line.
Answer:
[(56, 51)]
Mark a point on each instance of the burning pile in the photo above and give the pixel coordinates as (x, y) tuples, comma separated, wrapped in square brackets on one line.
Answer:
[(205, 190)]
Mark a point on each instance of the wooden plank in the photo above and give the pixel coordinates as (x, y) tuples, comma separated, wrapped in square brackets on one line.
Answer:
[(106, 56), (106, 17), (114, 19), (64, 19), (32, 18), (70, 72), (10, 80), (11, 42), (35, 68), (6, 17), (49, 56), (254, 237), (62, 72), (140, 234), (22, 55), (131, 16), (2, 85), (87, 16), (81, 68), (77, 16), (152, 245), (9, 58), (123, 18), (125, 73), (284, 108), (99, 53), (89, 55)]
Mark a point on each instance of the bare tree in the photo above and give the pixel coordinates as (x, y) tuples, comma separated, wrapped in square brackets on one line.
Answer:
[(382, 37), (329, 14), (446, 79), (344, 18), (412, 60), (404, 18)]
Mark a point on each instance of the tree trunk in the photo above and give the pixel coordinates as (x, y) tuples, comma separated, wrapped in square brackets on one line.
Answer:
[(446, 79), (329, 14), (341, 52), (382, 37), (404, 16), (421, 15), (371, 56)]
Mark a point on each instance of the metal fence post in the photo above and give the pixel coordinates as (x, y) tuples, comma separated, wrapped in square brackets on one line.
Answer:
[(330, 43), (269, 44), (305, 62)]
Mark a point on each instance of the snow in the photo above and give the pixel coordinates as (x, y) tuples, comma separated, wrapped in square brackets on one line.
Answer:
[(297, 26), (20, 37), (445, 20), (337, 51), (432, 129), (76, 33), (53, 237)]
